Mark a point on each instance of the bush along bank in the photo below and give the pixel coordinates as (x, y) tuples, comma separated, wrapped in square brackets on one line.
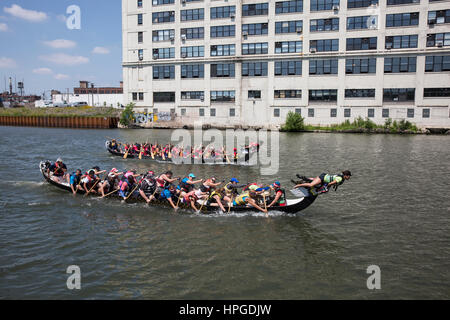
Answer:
[(295, 123)]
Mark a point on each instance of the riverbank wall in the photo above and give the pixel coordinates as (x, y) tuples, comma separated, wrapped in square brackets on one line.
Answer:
[(60, 122)]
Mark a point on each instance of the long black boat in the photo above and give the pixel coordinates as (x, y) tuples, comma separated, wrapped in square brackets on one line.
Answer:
[(177, 160), (292, 205)]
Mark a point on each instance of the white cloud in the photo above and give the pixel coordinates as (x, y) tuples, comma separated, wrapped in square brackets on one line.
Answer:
[(61, 43), (100, 50), (29, 15), (7, 63), (3, 27), (61, 76), (65, 59), (43, 71), (61, 18)]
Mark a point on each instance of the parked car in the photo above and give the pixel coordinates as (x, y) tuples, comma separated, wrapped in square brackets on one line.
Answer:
[(79, 104), (61, 104)]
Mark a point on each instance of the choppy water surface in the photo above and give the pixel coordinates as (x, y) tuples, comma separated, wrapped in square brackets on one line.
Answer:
[(393, 213)]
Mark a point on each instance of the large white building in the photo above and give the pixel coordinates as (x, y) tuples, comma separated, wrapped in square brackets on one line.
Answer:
[(248, 63)]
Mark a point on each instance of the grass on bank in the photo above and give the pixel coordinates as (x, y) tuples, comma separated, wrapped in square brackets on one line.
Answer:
[(86, 111), (295, 123)]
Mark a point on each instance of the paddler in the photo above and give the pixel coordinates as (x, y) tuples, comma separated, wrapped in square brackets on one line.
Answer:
[(327, 179), (58, 170), (280, 196), (248, 198), (74, 181)]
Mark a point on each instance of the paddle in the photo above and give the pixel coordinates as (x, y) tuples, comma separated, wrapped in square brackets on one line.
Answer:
[(137, 185), (98, 180), (229, 204), (110, 193), (140, 154), (265, 203), (126, 153)]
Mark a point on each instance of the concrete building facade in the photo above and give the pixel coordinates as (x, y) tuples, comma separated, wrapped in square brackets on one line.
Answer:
[(248, 63)]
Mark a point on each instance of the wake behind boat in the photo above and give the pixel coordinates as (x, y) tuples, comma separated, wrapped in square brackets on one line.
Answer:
[(169, 195)]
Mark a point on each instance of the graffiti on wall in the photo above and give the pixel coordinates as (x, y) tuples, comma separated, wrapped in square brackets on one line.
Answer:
[(144, 117)]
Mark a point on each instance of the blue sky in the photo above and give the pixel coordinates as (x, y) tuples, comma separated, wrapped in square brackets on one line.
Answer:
[(36, 46)]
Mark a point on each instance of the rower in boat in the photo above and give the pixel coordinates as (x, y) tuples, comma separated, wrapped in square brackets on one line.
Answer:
[(127, 186), (249, 197), (147, 187), (110, 182), (113, 145), (326, 180), (216, 197), (187, 191), (280, 195), (74, 181), (58, 170), (167, 194), (89, 182), (165, 179)]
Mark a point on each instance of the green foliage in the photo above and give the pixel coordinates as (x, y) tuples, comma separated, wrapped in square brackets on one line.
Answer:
[(60, 112), (294, 122), (126, 118)]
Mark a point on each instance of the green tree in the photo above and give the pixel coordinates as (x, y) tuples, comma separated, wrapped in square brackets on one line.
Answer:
[(294, 122), (126, 118)]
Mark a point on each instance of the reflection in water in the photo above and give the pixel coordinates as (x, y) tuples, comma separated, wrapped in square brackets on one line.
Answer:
[(394, 212)]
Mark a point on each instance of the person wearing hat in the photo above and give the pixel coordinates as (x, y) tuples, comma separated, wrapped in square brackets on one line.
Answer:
[(231, 189), (280, 197), (110, 182), (89, 181), (58, 170), (327, 179)]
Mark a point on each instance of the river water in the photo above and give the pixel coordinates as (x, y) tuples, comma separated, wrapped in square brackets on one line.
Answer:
[(393, 213)]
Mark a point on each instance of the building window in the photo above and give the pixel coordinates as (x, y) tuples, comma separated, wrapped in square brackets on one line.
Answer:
[(212, 112), (288, 47), (192, 95), (163, 72), (358, 66), (360, 3), (192, 71), (141, 96), (410, 113), (163, 35), (320, 5), (398, 42), (438, 39), (362, 22), (425, 113), (222, 96), (436, 92), (140, 18), (183, 112), (223, 31), (222, 70), (316, 25), (141, 54), (222, 12), (324, 45), (160, 2), (164, 53), (399, 95), (232, 112), (327, 66), (333, 112), (140, 37), (257, 9), (327, 95), (359, 93), (194, 51), (276, 113), (347, 113), (399, 64), (164, 16), (437, 63), (201, 112), (287, 94), (254, 94), (192, 14), (398, 2), (193, 33), (163, 97), (134, 96), (361, 43), (285, 68), (223, 50), (402, 19), (439, 17), (255, 48), (311, 112), (253, 29), (288, 6), (295, 26), (298, 111), (139, 3), (370, 113), (385, 113), (254, 69)]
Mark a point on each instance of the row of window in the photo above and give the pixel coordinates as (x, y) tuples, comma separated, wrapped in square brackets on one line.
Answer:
[(294, 67), (322, 95)]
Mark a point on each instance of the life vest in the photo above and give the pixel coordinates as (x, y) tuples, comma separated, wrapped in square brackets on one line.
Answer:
[(148, 185), (240, 200), (282, 200), (204, 188), (161, 182), (184, 186)]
